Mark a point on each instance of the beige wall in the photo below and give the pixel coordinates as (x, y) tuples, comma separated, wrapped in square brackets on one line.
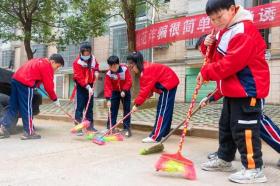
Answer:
[(101, 48), (175, 52)]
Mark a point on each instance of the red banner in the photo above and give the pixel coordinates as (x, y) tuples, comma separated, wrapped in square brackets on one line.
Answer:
[(183, 28)]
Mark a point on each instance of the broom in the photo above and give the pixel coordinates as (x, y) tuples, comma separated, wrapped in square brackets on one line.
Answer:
[(160, 147), (79, 127), (90, 136), (173, 163), (106, 137)]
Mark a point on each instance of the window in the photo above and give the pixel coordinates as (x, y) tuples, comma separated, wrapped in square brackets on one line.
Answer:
[(41, 50), (8, 58), (190, 44), (69, 54), (119, 43)]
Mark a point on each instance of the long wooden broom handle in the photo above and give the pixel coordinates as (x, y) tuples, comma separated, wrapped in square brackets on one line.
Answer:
[(195, 110), (194, 96)]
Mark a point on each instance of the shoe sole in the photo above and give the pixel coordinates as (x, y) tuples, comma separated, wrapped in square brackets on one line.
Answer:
[(26, 138), (230, 169), (258, 180)]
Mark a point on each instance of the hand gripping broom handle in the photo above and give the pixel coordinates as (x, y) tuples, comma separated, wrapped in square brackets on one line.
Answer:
[(194, 96), (195, 110)]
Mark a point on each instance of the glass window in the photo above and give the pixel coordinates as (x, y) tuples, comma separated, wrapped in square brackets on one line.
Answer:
[(41, 50), (69, 54), (8, 58)]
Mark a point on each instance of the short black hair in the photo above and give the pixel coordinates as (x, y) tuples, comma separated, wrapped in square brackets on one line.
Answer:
[(57, 58), (113, 60), (138, 59), (85, 47), (200, 40), (213, 6)]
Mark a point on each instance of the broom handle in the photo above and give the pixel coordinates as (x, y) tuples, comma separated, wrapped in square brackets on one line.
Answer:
[(195, 110), (117, 124), (88, 102), (110, 118), (194, 96), (61, 108)]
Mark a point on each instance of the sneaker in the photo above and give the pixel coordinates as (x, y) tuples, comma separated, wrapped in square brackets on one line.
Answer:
[(247, 176), (27, 136), (217, 164), (127, 133), (4, 133), (80, 133), (92, 129), (149, 140), (212, 155)]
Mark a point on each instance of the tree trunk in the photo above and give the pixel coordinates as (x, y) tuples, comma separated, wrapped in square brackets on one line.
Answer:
[(27, 41), (129, 10)]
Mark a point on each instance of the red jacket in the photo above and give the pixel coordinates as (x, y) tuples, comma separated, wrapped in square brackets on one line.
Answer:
[(238, 62), (84, 75), (153, 78), (117, 81), (35, 71)]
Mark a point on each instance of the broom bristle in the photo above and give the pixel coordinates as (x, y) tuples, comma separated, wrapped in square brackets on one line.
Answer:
[(153, 149), (114, 137), (169, 164), (98, 141)]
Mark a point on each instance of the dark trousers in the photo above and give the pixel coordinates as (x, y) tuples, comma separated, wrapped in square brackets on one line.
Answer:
[(239, 128), (164, 114), (82, 99), (270, 133), (115, 103), (20, 102)]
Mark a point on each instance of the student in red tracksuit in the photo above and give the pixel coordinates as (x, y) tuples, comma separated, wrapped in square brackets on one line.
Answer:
[(238, 66), (86, 71), (117, 87), (157, 78), (26, 78)]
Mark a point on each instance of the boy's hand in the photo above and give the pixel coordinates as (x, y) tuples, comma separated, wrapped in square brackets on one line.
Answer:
[(57, 103), (204, 102), (134, 108), (90, 90), (209, 40), (108, 104), (122, 94), (199, 79)]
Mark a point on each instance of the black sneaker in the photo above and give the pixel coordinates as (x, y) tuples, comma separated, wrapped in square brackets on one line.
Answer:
[(127, 133), (92, 129), (4, 133), (27, 136)]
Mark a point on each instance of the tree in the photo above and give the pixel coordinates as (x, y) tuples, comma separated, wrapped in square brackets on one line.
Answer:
[(51, 21), (129, 12)]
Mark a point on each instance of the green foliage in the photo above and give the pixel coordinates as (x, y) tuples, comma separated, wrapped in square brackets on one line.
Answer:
[(52, 21)]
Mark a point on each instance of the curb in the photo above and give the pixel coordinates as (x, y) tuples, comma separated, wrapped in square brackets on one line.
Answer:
[(196, 131)]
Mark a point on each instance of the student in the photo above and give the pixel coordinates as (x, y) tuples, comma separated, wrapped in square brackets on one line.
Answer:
[(157, 78), (117, 87), (25, 79), (238, 65), (86, 71)]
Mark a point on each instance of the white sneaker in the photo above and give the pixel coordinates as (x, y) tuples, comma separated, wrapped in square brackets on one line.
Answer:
[(246, 176), (217, 164), (148, 140)]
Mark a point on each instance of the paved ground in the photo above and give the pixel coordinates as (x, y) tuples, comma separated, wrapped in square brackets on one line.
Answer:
[(62, 159), (207, 117)]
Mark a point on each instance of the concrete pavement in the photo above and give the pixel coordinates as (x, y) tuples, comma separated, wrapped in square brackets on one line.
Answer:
[(60, 158)]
